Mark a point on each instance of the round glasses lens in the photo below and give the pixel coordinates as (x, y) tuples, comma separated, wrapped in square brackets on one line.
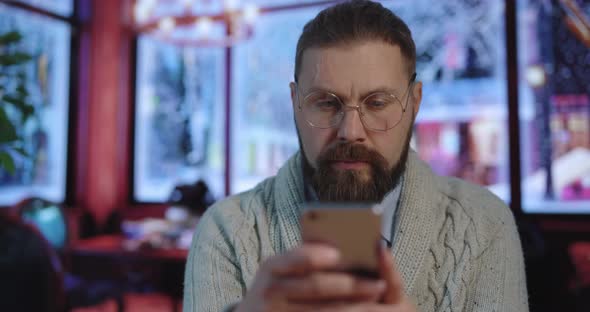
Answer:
[(322, 109), (381, 111)]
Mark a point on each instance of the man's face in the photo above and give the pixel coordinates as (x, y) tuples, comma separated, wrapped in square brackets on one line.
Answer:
[(349, 153)]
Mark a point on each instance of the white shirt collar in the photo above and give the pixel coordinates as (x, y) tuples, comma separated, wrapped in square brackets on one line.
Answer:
[(387, 208)]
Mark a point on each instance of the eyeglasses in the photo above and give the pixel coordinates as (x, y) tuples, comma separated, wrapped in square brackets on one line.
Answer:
[(379, 111)]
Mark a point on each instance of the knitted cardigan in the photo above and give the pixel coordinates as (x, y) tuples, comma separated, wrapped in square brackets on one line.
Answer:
[(455, 244)]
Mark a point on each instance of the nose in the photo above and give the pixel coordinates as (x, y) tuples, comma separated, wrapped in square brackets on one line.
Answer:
[(351, 128)]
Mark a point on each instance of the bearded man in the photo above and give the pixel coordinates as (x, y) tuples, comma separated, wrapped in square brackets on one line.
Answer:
[(355, 98)]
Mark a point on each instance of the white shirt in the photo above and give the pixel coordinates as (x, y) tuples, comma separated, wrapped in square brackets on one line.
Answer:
[(387, 208)]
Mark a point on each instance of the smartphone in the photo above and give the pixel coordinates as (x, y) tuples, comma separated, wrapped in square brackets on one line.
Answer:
[(355, 229)]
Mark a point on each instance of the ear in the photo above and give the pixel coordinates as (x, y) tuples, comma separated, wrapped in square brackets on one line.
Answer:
[(416, 97), (294, 102)]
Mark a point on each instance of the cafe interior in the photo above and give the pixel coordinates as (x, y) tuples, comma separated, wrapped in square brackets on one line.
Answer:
[(121, 122)]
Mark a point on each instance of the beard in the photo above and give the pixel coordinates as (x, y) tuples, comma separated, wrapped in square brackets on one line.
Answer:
[(343, 185)]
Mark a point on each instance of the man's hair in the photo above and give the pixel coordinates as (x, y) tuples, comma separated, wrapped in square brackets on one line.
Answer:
[(356, 21)]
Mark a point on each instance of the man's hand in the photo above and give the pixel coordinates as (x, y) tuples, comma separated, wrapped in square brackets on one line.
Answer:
[(305, 279)]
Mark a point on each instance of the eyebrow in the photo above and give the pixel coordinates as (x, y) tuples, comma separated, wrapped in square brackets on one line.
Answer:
[(362, 96)]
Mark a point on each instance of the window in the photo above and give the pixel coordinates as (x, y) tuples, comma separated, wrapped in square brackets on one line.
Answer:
[(461, 129), (263, 128), (179, 119), (60, 7), (47, 40), (554, 106)]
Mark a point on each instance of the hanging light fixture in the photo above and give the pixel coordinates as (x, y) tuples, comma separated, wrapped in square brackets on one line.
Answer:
[(196, 22)]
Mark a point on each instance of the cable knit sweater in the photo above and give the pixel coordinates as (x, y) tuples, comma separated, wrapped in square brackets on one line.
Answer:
[(455, 244)]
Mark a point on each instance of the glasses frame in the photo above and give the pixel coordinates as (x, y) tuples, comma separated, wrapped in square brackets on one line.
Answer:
[(346, 107)]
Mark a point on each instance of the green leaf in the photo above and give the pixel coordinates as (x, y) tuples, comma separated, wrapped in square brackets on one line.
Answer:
[(28, 111), (7, 162), (15, 59), (18, 102), (22, 90), (10, 37), (21, 151), (7, 130)]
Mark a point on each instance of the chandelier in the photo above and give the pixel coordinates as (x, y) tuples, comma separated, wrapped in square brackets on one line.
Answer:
[(214, 23)]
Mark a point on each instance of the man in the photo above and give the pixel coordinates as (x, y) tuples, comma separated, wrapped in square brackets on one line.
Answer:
[(355, 98)]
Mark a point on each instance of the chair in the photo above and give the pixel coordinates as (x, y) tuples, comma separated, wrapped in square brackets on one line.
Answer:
[(579, 253), (32, 277), (50, 220), (47, 217)]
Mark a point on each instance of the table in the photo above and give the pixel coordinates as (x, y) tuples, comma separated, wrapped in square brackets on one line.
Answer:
[(113, 246), (143, 270)]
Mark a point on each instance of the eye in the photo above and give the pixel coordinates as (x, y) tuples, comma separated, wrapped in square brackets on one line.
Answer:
[(374, 104), (378, 102), (327, 105)]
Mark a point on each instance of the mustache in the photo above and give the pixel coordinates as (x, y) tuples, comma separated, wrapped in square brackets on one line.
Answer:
[(351, 152)]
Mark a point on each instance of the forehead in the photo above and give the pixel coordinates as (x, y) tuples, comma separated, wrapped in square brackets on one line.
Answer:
[(353, 68)]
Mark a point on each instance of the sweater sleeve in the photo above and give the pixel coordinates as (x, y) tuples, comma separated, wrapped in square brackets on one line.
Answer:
[(500, 280), (213, 279)]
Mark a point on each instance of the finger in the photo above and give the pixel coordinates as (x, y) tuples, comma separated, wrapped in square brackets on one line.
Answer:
[(313, 307), (304, 259), (330, 286), (348, 307), (394, 292)]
